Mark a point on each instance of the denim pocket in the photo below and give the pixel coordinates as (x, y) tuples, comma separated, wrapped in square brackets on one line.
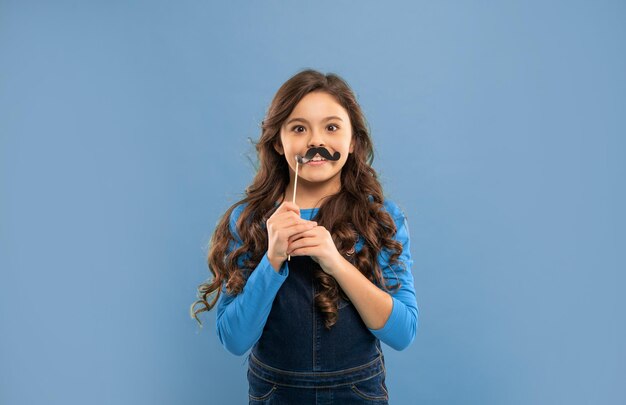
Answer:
[(259, 389), (373, 389)]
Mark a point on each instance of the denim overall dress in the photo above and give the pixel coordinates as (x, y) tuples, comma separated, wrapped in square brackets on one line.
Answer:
[(298, 361)]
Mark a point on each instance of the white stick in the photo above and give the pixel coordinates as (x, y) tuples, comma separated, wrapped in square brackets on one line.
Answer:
[(295, 184)]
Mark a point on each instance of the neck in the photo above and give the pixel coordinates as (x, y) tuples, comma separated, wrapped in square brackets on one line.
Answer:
[(311, 195)]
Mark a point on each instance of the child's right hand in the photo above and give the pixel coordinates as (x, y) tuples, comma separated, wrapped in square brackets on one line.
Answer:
[(284, 223)]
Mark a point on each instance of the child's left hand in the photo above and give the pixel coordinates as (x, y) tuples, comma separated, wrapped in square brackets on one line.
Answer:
[(318, 243)]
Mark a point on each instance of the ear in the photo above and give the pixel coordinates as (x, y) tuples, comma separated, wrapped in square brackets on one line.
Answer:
[(352, 145), (278, 147)]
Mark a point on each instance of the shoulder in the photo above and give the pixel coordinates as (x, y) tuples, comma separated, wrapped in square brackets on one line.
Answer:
[(394, 210), (398, 216), (234, 216), (236, 212)]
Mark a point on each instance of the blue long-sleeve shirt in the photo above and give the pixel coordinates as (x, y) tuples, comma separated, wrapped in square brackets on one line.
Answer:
[(241, 318)]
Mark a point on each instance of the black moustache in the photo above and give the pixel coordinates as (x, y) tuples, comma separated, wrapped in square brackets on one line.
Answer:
[(310, 154)]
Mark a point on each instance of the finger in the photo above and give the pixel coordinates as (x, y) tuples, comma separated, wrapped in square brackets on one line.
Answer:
[(308, 237), (288, 206), (301, 250), (289, 220), (297, 252), (304, 233), (296, 231), (284, 220)]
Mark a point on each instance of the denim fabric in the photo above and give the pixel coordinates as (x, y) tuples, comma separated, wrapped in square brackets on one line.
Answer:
[(298, 361)]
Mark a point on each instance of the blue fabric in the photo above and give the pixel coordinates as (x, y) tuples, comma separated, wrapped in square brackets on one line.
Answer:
[(306, 363), (364, 384), (241, 318)]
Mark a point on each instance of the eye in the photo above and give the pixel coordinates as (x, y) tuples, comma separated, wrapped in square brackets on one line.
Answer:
[(295, 128)]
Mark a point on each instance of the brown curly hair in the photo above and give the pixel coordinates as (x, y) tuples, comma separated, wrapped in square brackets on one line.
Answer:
[(357, 209)]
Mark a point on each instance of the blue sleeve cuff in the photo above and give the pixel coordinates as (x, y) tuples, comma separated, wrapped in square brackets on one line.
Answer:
[(389, 326), (241, 318), (401, 326), (282, 273)]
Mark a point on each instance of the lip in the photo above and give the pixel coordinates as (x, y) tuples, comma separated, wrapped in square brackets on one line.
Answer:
[(319, 163)]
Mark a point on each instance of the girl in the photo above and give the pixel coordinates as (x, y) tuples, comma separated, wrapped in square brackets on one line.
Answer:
[(312, 286)]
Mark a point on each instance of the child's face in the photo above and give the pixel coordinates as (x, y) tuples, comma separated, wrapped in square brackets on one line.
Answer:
[(314, 128)]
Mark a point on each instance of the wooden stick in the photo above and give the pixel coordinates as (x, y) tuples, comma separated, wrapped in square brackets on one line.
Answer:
[(295, 184)]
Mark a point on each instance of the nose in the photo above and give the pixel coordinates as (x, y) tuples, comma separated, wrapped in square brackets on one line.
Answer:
[(315, 140)]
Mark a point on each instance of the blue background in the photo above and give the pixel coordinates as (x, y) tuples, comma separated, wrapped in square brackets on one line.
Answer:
[(499, 127)]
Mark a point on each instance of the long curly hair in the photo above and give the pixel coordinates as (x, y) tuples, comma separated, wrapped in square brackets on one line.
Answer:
[(357, 209)]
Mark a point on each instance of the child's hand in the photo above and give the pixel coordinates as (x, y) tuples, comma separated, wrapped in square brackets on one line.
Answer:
[(317, 243), (284, 223)]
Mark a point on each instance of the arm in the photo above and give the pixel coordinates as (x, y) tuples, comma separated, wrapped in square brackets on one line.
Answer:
[(400, 329), (391, 317), (241, 318)]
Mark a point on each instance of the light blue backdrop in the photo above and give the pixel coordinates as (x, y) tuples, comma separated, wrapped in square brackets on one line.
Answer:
[(498, 126)]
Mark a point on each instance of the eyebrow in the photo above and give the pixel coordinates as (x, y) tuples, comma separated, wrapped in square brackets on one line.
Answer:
[(303, 120)]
